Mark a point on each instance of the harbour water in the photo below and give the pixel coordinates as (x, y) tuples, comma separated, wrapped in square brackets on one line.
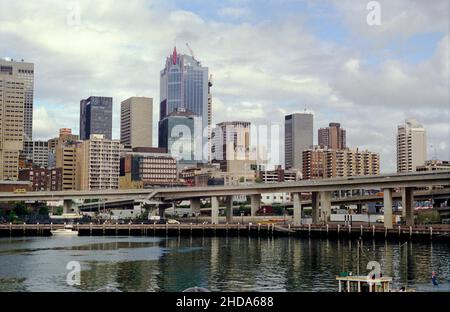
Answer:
[(217, 263)]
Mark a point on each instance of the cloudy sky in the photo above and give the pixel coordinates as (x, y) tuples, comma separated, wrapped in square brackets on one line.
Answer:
[(268, 58)]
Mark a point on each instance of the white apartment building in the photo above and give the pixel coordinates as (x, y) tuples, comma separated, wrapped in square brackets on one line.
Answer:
[(411, 146), (98, 163)]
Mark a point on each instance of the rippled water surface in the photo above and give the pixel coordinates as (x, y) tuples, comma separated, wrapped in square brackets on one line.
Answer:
[(219, 264)]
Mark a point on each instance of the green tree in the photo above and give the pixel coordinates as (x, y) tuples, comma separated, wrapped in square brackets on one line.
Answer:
[(12, 216), (59, 211), (43, 211), (258, 180), (20, 209)]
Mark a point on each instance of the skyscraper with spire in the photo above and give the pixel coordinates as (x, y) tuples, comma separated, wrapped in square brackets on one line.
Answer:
[(184, 84)]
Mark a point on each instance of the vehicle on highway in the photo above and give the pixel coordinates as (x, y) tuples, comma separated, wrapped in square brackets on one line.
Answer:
[(172, 221), (20, 191), (380, 219)]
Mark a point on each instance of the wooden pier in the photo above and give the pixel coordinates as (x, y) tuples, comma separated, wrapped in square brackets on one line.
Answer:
[(404, 233)]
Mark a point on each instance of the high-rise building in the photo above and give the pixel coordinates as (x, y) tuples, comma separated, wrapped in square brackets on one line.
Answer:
[(319, 162), (96, 117), (176, 135), (12, 99), (66, 159), (184, 84), (411, 146), (333, 136), (434, 165), (98, 163), (298, 136), (40, 154), (230, 142), (25, 72), (136, 122)]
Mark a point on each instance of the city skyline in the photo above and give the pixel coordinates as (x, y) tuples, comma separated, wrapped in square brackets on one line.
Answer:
[(339, 75)]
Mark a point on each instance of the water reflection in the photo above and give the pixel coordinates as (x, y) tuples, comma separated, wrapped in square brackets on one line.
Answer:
[(219, 264)]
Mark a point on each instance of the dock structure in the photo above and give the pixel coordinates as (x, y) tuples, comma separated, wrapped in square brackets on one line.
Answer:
[(401, 233), (320, 192)]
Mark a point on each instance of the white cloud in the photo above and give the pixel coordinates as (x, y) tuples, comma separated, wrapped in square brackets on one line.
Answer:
[(261, 71)]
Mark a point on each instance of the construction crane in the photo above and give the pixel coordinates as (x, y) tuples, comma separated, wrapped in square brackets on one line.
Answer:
[(190, 50)]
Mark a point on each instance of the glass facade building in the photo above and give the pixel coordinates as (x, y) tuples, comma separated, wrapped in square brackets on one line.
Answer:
[(176, 135), (96, 117), (184, 84)]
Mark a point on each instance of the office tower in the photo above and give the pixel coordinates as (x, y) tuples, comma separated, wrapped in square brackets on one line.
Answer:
[(25, 72), (96, 117), (298, 136), (136, 122), (319, 162), (184, 84), (176, 135), (230, 143), (40, 153), (66, 159), (98, 163), (333, 136), (411, 146), (147, 167), (65, 136), (12, 99)]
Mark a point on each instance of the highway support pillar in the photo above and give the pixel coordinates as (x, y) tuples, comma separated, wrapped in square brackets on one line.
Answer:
[(387, 203), (229, 208), (255, 202), (325, 203), (408, 205), (67, 206), (296, 198), (315, 207), (195, 205), (214, 210)]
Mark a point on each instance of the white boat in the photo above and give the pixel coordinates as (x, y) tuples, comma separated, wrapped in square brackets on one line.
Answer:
[(66, 231)]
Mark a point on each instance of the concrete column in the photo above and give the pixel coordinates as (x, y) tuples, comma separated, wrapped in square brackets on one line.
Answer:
[(195, 205), (229, 208), (67, 206), (408, 205), (255, 204), (315, 207), (387, 203), (296, 198), (162, 211), (215, 210), (325, 204)]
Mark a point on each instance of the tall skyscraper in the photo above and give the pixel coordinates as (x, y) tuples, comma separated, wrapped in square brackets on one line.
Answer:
[(96, 117), (411, 146), (333, 136), (298, 136), (98, 163), (136, 122), (184, 84), (24, 71), (12, 99)]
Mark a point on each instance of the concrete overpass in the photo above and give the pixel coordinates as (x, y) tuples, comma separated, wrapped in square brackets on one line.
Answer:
[(321, 194)]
